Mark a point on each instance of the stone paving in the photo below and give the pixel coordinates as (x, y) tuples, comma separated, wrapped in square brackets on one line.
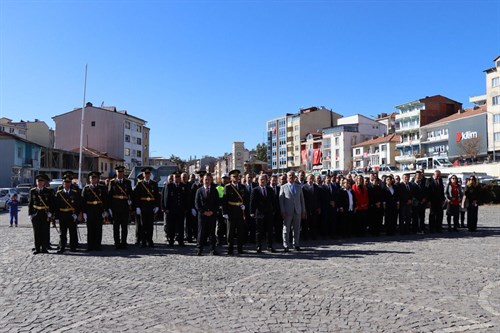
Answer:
[(448, 282)]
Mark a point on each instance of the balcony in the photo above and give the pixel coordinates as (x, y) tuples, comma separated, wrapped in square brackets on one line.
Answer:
[(408, 115), (408, 143), (436, 139)]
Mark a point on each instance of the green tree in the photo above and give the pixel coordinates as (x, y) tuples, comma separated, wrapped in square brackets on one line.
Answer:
[(261, 150)]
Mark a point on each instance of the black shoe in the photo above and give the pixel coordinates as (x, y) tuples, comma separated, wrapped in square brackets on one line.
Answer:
[(230, 252), (199, 253), (272, 250), (45, 251), (241, 252), (36, 252), (297, 248), (182, 244), (151, 245), (215, 253), (143, 245), (286, 250), (259, 249), (60, 251), (73, 249), (50, 247), (124, 246)]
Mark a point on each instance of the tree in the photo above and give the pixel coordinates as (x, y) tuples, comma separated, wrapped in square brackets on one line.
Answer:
[(470, 147), (261, 150), (181, 164)]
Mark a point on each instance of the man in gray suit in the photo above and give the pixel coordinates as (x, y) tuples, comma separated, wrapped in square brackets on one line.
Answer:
[(293, 208)]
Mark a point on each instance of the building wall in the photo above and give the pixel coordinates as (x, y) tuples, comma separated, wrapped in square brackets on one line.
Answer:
[(8, 153), (492, 92), (465, 130), (39, 133)]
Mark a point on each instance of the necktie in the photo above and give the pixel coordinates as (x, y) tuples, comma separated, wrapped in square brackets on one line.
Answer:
[(208, 191), (264, 192)]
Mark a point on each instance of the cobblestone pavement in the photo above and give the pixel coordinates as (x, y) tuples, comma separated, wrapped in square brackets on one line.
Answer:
[(448, 282)]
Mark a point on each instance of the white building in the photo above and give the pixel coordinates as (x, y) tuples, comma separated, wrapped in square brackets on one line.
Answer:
[(376, 152)]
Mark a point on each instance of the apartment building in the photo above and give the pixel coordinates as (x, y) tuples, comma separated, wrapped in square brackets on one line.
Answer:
[(376, 152), (36, 131), (415, 114), (106, 130), (285, 133), (338, 140), (461, 134), (492, 101)]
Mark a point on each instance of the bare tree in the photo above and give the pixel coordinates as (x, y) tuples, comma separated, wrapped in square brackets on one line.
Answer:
[(470, 147)]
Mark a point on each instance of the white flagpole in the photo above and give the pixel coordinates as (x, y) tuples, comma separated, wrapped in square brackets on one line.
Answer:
[(80, 161)]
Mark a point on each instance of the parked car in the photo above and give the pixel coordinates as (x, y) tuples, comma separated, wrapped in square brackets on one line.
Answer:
[(388, 169), (9, 191), (3, 200), (24, 191), (55, 183)]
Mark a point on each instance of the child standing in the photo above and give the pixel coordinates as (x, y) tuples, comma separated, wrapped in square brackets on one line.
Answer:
[(13, 204)]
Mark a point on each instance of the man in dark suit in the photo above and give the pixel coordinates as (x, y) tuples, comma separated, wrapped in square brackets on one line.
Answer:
[(207, 203), (67, 208), (419, 203), (262, 209), (250, 223), (346, 204), (312, 195), (40, 208), (329, 225), (405, 192), (95, 210), (174, 198), (192, 224), (277, 219), (435, 193)]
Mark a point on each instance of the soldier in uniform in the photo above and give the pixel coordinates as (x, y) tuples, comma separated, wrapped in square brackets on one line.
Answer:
[(138, 221), (40, 212), (95, 210), (174, 202), (147, 204), (67, 206), (234, 211), (192, 223), (120, 200)]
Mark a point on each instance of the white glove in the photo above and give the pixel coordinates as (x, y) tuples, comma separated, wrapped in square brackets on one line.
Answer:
[(110, 212), (252, 215), (31, 217), (155, 210), (49, 214), (138, 211), (85, 217), (225, 216), (193, 211), (129, 202), (104, 215), (242, 207), (57, 221), (74, 217)]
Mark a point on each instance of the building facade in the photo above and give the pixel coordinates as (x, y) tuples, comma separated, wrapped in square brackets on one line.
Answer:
[(36, 131), (285, 134), (106, 130), (376, 152), (412, 116)]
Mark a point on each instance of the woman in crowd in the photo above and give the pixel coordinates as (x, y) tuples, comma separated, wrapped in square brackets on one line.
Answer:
[(453, 193), (391, 205), (472, 195)]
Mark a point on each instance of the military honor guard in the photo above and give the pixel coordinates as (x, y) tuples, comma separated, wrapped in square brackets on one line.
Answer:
[(207, 204), (67, 207), (174, 203), (234, 211), (147, 204), (262, 208), (40, 209), (120, 206), (95, 210)]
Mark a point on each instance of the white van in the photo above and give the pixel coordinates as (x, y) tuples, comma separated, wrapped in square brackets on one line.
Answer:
[(434, 162)]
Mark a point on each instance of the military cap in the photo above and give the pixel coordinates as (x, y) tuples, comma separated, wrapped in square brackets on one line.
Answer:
[(68, 173), (225, 175), (146, 169), (140, 177), (94, 174), (235, 172), (43, 176), (201, 173), (119, 168), (418, 171), (67, 178), (176, 174)]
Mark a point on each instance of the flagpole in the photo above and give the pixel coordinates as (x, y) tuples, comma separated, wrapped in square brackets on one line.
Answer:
[(80, 160)]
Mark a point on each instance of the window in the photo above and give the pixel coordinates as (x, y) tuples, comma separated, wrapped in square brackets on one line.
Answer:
[(356, 152), (127, 151), (383, 147), (11, 130), (127, 124), (139, 129), (139, 153), (337, 140), (496, 118), (92, 123), (139, 141), (127, 138), (496, 100), (495, 81), (496, 136), (19, 152)]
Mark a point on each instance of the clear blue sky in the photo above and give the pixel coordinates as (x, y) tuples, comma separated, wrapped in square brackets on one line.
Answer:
[(206, 73)]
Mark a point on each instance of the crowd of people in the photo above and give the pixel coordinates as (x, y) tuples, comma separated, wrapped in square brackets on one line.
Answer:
[(262, 210)]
